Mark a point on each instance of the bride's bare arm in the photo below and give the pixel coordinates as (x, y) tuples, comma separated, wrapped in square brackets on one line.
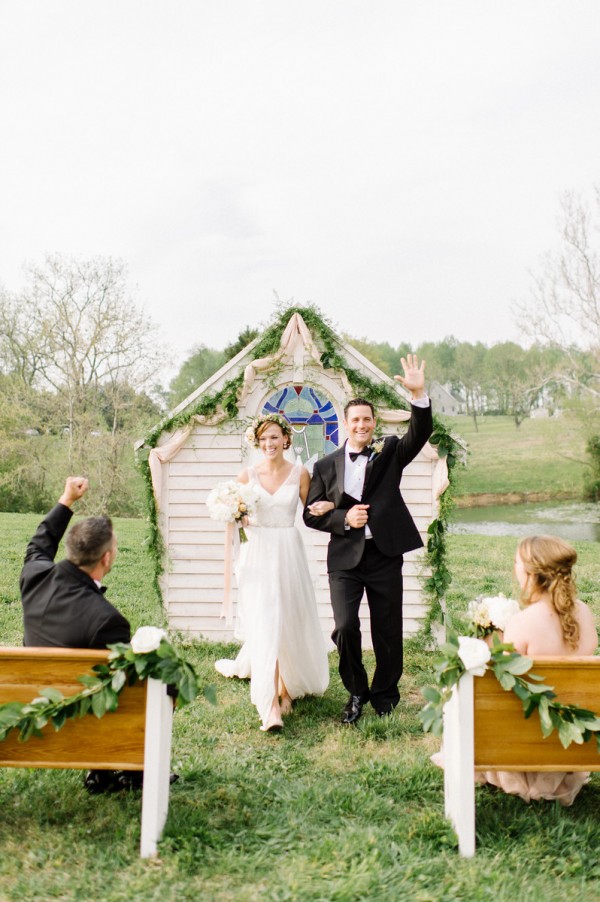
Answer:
[(304, 485)]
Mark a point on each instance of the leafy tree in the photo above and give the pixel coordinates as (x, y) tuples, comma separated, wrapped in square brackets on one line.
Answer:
[(515, 378), (370, 350), (199, 367), (441, 363), (202, 364), (472, 377), (247, 335)]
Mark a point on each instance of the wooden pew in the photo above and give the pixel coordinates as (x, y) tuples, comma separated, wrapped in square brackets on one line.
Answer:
[(485, 729), (137, 736)]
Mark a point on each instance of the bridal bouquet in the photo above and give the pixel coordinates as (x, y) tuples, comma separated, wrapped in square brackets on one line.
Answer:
[(490, 614), (230, 502)]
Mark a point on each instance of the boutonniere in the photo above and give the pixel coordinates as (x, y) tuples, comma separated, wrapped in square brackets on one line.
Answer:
[(376, 448)]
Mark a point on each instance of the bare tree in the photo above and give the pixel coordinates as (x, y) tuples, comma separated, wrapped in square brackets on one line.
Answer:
[(564, 311), (75, 331)]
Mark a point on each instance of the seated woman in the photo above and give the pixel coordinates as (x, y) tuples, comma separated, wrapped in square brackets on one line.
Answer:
[(553, 622)]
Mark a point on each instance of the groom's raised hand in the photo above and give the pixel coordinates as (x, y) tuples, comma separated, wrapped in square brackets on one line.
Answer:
[(414, 375)]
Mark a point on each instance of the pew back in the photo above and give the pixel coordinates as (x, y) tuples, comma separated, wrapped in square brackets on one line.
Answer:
[(504, 740), (115, 741)]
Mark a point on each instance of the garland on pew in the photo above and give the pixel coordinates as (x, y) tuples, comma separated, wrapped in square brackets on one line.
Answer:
[(379, 394), (148, 655), (465, 654)]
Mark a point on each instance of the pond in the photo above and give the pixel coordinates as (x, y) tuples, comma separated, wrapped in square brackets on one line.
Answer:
[(571, 520)]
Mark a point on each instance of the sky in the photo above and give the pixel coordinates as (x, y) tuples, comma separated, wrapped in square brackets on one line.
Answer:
[(397, 164)]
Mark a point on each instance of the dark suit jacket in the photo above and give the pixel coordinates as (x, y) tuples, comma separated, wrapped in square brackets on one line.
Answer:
[(62, 605), (391, 525)]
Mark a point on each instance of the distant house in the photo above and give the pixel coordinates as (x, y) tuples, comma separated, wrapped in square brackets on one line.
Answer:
[(188, 462), (444, 402)]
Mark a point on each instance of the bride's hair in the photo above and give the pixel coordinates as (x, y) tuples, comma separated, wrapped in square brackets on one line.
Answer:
[(549, 562)]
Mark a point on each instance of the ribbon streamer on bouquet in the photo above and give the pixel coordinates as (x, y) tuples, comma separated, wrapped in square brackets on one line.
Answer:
[(232, 550)]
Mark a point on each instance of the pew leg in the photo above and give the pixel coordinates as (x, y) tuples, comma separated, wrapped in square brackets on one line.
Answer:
[(157, 765), (459, 784)]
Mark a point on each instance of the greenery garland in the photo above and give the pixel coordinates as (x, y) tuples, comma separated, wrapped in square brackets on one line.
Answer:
[(573, 724), (101, 693), (378, 394)]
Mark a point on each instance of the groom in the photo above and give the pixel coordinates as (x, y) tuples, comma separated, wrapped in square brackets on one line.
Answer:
[(371, 529)]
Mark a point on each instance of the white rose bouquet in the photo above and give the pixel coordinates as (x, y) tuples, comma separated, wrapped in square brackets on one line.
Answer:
[(230, 502), (488, 614)]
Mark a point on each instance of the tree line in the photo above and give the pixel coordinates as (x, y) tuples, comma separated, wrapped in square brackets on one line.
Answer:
[(78, 364)]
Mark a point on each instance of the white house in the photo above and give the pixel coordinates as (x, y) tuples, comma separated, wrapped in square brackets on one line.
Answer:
[(444, 402), (187, 463)]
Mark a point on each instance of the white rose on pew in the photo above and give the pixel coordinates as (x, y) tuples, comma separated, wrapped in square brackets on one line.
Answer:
[(147, 638), (474, 653)]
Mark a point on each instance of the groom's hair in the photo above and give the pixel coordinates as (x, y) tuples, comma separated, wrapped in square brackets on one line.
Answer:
[(358, 402)]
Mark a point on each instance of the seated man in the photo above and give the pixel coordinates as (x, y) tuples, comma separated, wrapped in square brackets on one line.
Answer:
[(64, 603)]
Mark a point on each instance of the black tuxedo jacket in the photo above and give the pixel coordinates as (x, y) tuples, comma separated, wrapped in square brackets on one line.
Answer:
[(62, 605), (390, 522)]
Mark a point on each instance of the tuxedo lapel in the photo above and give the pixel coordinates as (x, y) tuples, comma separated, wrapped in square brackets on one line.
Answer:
[(340, 467), (368, 470)]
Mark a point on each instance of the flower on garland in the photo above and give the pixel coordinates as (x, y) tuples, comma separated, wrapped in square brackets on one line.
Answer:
[(146, 639), (474, 655), (466, 654), (491, 613), (149, 654), (230, 502)]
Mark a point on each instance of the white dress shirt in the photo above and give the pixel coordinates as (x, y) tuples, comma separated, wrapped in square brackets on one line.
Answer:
[(354, 479), (354, 470)]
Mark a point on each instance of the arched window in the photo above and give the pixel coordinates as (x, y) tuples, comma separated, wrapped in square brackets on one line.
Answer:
[(313, 419)]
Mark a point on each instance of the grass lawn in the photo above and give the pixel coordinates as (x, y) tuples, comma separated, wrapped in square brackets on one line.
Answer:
[(319, 812), (541, 456)]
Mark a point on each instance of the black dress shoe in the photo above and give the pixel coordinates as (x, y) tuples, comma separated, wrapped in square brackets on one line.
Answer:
[(97, 781), (134, 779), (353, 708)]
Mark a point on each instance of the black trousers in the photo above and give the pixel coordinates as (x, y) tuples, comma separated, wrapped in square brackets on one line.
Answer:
[(381, 578)]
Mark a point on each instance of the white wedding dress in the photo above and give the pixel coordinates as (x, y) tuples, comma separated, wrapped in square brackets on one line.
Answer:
[(277, 612)]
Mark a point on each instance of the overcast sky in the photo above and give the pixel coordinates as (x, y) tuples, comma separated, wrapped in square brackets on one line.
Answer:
[(398, 164)]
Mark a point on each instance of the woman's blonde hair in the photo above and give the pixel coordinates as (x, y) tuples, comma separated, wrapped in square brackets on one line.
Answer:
[(549, 562)]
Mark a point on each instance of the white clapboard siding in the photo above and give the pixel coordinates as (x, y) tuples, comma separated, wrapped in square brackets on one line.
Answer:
[(193, 579)]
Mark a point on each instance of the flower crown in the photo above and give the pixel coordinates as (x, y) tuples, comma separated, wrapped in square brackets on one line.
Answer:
[(251, 432)]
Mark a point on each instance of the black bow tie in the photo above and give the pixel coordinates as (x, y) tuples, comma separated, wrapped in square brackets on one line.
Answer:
[(354, 454)]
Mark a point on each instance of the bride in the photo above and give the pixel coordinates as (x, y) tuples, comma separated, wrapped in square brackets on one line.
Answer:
[(284, 652)]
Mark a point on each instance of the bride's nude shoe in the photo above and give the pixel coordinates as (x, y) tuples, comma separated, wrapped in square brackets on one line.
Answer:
[(274, 722)]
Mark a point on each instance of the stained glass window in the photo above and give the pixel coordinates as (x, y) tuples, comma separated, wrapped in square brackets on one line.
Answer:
[(313, 419)]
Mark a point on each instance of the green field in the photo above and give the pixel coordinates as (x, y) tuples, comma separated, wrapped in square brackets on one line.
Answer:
[(545, 457), (319, 812)]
